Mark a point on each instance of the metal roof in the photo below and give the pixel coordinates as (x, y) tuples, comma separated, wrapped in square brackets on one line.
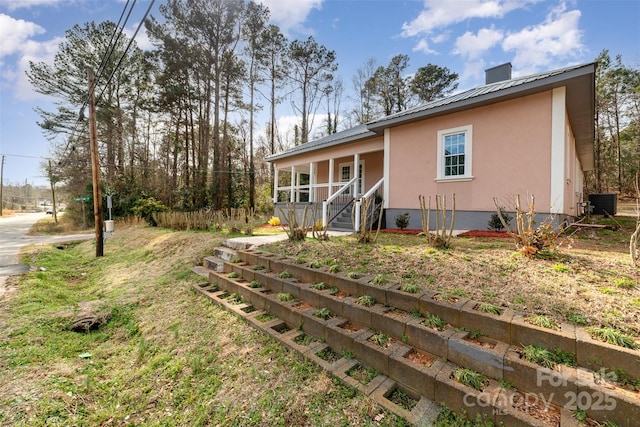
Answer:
[(348, 135), (578, 79)]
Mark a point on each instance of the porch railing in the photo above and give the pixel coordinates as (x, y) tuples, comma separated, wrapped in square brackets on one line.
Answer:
[(374, 194)]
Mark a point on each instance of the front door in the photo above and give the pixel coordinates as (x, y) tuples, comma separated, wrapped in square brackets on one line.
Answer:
[(346, 174)]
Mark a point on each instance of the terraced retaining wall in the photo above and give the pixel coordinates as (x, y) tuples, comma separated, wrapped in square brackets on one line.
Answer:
[(496, 354)]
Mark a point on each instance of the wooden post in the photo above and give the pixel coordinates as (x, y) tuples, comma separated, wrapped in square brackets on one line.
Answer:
[(95, 166)]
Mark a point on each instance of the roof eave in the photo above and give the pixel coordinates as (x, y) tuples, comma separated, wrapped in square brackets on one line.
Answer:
[(524, 89), (290, 153)]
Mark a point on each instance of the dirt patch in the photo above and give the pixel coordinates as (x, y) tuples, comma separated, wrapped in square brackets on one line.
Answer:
[(531, 404), (481, 342), (398, 314), (420, 357), (351, 327), (302, 306)]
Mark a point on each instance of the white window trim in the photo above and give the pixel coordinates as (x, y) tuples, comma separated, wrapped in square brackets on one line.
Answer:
[(468, 152)]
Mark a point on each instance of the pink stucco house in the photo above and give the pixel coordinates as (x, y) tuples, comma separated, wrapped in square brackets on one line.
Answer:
[(530, 135)]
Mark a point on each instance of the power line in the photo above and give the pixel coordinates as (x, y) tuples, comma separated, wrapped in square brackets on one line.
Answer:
[(25, 156), (105, 57), (131, 40), (112, 45)]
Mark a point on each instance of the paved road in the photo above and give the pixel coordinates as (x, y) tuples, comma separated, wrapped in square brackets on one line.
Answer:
[(13, 236)]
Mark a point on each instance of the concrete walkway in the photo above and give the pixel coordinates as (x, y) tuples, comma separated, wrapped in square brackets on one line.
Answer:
[(254, 241)]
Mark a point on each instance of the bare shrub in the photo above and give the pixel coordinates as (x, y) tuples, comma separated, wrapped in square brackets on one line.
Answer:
[(295, 231), (319, 231), (365, 235), (442, 235), (530, 240), (635, 236)]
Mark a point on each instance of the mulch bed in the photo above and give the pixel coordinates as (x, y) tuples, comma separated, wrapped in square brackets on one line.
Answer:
[(484, 233), (470, 233), (398, 231)]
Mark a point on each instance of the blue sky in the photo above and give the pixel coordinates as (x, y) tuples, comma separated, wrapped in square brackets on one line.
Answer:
[(467, 36)]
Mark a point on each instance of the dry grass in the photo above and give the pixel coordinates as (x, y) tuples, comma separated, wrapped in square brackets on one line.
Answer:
[(166, 357), (590, 280), (170, 357), (48, 226)]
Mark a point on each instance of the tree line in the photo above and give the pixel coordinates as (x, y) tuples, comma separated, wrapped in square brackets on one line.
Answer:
[(617, 128), (184, 121)]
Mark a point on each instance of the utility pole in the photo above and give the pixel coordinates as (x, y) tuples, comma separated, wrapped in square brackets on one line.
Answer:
[(95, 165), (1, 183), (54, 212)]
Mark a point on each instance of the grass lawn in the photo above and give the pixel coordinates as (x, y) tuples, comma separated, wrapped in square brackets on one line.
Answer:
[(169, 357), (166, 357)]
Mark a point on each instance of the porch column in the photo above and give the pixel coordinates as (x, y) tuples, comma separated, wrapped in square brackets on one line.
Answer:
[(292, 196), (312, 182), (298, 180), (356, 173), (558, 143), (330, 193), (386, 167), (275, 185)]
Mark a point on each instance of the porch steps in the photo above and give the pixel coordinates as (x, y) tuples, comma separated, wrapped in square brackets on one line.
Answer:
[(342, 221), (510, 380)]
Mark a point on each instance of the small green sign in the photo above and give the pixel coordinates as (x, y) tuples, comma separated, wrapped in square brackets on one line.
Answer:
[(82, 199)]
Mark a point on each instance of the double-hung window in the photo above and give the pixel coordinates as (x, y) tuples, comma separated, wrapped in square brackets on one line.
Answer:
[(454, 153)]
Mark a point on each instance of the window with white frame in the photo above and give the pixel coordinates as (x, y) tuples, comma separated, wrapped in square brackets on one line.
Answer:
[(454, 153)]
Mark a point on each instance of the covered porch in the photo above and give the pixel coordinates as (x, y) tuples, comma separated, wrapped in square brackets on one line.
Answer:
[(333, 189)]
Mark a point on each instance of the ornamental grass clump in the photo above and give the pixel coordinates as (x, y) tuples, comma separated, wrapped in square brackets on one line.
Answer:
[(410, 288), (366, 300), (542, 321), (323, 313), (613, 336), (486, 307), (470, 378), (435, 322)]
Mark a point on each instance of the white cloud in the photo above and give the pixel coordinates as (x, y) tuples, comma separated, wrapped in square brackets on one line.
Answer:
[(439, 14), (474, 70), (33, 51), (16, 37), (423, 46), (442, 37), (548, 44), (14, 33), (291, 14), (25, 4), (472, 46), (142, 38)]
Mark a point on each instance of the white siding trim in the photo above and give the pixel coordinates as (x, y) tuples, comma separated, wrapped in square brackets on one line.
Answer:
[(386, 154), (558, 126)]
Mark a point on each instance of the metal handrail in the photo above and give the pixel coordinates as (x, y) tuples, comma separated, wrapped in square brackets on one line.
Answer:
[(337, 214), (325, 203)]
